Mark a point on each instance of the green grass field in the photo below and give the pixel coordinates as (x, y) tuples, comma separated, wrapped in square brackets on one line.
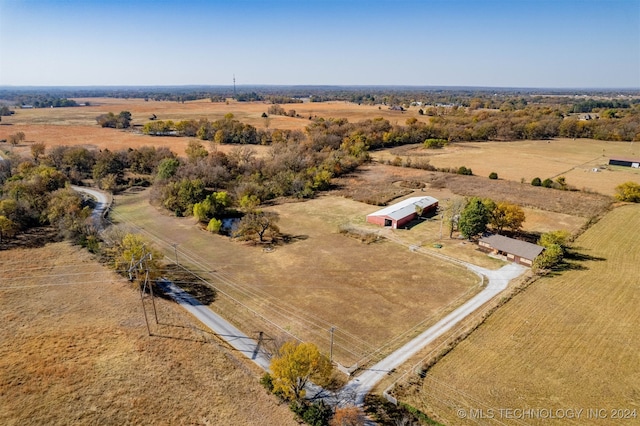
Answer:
[(568, 341)]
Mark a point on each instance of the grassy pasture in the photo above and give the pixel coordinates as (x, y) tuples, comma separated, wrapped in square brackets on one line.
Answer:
[(77, 125), (571, 158), (568, 341), (545, 209), (511, 160), (75, 350), (374, 294)]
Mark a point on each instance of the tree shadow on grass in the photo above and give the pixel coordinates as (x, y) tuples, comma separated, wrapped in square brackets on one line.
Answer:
[(189, 282), (574, 260), (289, 239), (32, 238), (578, 254)]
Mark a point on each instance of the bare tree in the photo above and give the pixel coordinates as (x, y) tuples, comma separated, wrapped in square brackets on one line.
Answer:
[(258, 224)]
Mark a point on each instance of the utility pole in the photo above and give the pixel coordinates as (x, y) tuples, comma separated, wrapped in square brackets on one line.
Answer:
[(331, 346), (175, 249), (234, 86), (135, 267)]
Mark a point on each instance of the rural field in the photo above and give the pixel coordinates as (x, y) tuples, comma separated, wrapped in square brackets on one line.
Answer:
[(322, 279), (514, 161), (77, 125), (376, 295), (569, 341), (76, 351), (574, 159)]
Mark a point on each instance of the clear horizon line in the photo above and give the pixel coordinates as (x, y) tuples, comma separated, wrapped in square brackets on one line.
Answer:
[(143, 86)]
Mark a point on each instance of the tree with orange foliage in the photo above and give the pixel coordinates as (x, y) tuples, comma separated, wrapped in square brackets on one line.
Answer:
[(348, 416)]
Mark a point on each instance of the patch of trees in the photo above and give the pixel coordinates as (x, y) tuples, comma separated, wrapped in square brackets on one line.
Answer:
[(110, 169), (34, 192), (628, 191), (297, 165), (225, 131), (455, 125), (292, 368), (120, 121), (435, 143), (555, 247), (33, 195), (560, 183), (475, 216), (16, 138), (276, 109), (5, 111)]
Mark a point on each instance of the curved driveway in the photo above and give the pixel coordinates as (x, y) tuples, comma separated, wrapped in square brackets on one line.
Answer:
[(498, 280), (102, 202), (358, 387)]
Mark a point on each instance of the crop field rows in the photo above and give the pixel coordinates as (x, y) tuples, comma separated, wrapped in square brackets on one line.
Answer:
[(568, 341)]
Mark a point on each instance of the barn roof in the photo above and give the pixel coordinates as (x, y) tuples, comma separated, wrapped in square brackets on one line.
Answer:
[(405, 207), (627, 159), (519, 248)]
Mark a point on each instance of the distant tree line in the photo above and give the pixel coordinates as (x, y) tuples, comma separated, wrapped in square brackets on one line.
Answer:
[(590, 105), (474, 98), (42, 101)]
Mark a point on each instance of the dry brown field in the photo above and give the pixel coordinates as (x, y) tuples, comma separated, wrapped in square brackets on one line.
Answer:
[(574, 159), (568, 342), (376, 295), (546, 209), (77, 125), (75, 350)]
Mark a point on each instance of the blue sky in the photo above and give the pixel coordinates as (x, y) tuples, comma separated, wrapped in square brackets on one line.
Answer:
[(499, 43)]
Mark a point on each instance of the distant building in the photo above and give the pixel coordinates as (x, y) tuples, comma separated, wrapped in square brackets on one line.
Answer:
[(517, 251), (627, 162), (399, 214)]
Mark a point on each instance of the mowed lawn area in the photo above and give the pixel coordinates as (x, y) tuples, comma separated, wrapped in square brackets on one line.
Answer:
[(75, 350), (376, 295), (570, 341)]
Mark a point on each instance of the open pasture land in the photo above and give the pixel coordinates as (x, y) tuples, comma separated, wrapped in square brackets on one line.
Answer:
[(573, 158), (569, 341), (77, 125), (546, 209), (376, 295), (75, 350)]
